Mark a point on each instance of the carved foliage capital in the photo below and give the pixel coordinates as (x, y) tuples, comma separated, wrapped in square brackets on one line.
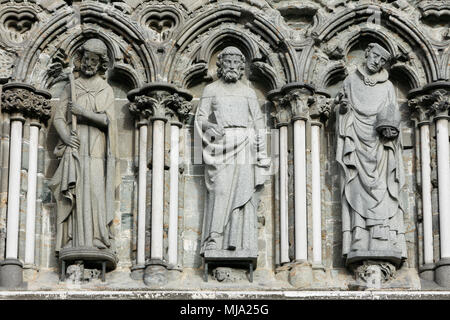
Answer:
[(281, 113), (179, 108), (299, 102), (27, 101), (435, 103), (440, 102), (139, 108), (420, 107), (161, 104)]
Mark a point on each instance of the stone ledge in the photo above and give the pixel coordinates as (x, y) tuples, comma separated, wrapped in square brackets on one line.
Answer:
[(224, 295)]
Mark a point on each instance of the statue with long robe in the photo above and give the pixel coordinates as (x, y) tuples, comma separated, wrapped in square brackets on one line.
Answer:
[(231, 125), (369, 152), (84, 183)]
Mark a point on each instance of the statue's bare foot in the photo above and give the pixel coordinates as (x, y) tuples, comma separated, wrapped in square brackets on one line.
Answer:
[(99, 244)]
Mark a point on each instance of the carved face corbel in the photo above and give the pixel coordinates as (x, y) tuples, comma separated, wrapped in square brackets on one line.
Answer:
[(321, 108)]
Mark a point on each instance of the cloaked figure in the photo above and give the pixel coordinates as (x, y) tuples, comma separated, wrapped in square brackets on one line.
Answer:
[(369, 152), (231, 125), (84, 183)]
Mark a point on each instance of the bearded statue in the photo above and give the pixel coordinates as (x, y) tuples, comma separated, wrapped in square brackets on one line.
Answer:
[(232, 128)]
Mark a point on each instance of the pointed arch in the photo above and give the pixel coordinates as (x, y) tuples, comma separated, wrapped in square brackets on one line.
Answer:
[(251, 24), (389, 20), (94, 20)]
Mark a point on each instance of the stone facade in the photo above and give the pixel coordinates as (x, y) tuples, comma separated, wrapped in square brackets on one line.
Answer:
[(297, 55)]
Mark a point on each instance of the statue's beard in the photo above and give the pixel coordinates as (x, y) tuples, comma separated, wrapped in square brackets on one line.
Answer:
[(231, 75), (88, 70)]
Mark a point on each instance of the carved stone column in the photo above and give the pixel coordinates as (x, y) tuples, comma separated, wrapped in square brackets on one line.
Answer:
[(298, 98), (159, 102), (282, 117), (23, 102), (141, 114), (301, 101), (178, 119), (318, 115), (439, 95), (419, 103)]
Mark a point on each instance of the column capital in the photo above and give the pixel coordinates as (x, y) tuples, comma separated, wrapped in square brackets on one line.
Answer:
[(440, 103), (298, 97), (419, 105), (321, 108), (160, 101), (432, 100), (25, 101), (280, 112)]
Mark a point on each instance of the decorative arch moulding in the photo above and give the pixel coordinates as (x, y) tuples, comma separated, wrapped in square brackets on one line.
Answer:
[(139, 96)]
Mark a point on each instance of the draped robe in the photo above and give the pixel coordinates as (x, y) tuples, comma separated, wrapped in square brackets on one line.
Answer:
[(232, 177), (372, 176), (85, 181)]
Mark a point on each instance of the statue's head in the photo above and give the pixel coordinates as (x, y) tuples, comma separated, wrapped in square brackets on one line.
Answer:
[(231, 64), (376, 57), (94, 57)]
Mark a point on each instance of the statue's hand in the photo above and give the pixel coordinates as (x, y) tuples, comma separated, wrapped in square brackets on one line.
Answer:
[(343, 106), (215, 131), (72, 140), (263, 163), (389, 133), (75, 109)]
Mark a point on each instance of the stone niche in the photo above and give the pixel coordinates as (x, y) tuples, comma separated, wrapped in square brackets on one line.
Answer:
[(161, 56)]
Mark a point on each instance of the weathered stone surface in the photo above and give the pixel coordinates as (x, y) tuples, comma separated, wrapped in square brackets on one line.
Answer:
[(233, 173), (301, 276), (317, 43), (87, 176), (373, 176)]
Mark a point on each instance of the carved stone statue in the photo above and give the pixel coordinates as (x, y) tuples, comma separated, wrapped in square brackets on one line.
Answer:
[(231, 125), (85, 181), (369, 152)]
